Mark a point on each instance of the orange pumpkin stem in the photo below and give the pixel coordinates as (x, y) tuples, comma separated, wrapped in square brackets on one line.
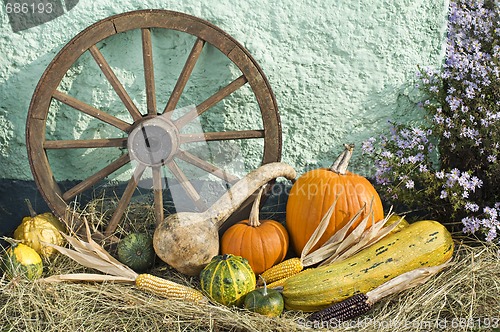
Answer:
[(340, 165), (254, 213)]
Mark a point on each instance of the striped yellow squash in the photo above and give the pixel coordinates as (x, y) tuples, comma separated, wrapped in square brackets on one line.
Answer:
[(422, 244)]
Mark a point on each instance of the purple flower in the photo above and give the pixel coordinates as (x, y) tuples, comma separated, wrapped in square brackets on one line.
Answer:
[(464, 112), (473, 207), (492, 213), (492, 234), (440, 175), (471, 224), (367, 145), (438, 119), (469, 92)]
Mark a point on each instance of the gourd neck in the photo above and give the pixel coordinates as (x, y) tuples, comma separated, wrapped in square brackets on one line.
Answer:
[(253, 220), (228, 203), (342, 162)]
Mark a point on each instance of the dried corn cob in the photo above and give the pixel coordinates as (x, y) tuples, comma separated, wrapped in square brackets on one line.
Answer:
[(282, 270), (292, 266), (361, 303), (277, 283), (352, 307), (92, 255), (168, 289)]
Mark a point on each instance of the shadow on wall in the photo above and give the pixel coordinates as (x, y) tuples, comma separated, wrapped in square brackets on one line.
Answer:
[(25, 15), (13, 206)]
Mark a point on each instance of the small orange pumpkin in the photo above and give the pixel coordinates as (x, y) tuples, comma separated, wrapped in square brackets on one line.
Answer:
[(315, 191), (263, 243)]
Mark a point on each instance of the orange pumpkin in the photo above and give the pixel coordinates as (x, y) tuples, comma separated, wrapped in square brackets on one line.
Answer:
[(315, 191), (263, 243)]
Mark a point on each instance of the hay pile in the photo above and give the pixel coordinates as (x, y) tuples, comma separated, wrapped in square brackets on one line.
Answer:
[(463, 297)]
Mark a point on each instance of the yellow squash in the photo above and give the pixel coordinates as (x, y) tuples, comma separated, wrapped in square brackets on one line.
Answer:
[(421, 244), (38, 228), (21, 261)]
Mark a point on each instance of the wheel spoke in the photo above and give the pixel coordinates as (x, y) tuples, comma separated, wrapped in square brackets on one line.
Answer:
[(221, 136), (125, 199), (148, 22), (93, 179), (184, 76), (86, 143), (206, 166), (211, 101), (115, 83), (90, 110), (147, 52), (186, 185), (158, 194)]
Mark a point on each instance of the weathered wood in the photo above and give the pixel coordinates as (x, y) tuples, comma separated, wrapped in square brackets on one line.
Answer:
[(265, 99), (158, 194), (42, 173), (221, 136), (184, 76), (86, 143), (62, 62), (95, 178), (124, 200), (149, 78), (176, 21), (115, 83), (206, 166), (144, 20), (186, 185), (90, 110)]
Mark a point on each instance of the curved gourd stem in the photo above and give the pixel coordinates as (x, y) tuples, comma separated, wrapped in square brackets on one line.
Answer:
[(226, 205), (340, 165), (254, 213), (195, 236), (264, 292)]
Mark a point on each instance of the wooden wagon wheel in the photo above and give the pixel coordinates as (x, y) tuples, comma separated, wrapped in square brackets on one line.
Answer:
[(152, 137)]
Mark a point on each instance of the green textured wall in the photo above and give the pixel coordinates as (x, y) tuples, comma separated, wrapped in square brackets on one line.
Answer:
[(339, 70)]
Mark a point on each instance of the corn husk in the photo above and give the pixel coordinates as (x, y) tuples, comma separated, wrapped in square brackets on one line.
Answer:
[(405, 281), (92, 255), (342, 244)]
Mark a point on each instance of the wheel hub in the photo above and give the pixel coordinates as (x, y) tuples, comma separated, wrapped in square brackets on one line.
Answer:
[(153, 142)]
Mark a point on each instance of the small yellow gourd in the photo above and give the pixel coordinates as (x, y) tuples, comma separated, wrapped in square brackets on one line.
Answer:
[(21, 261), (38, 228)]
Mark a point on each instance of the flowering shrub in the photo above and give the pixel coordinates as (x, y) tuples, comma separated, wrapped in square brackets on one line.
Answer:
[(448, 167)]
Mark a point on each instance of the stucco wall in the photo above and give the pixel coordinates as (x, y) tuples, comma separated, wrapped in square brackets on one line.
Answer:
[(339, 70)]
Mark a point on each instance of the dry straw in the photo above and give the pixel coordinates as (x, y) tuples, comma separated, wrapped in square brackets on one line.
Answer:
[(463, 297)]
